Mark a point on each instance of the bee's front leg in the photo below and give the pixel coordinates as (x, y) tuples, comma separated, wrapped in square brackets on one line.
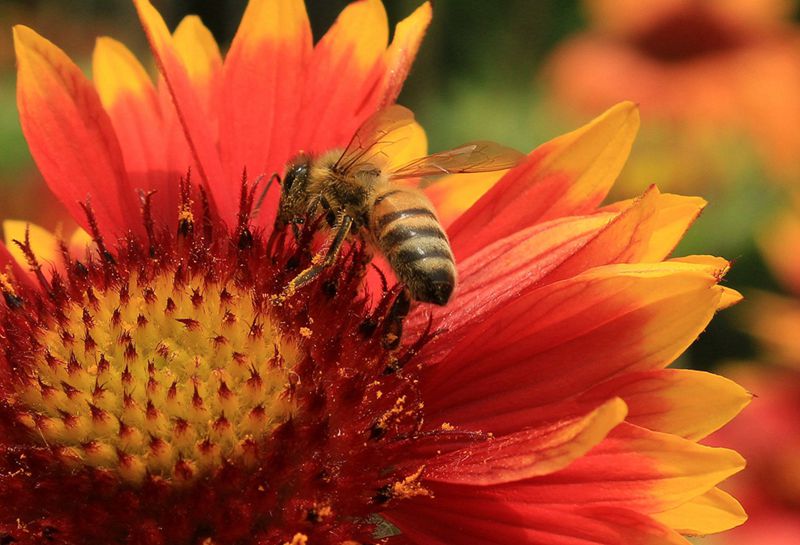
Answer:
[(324, 259), (295, 229)]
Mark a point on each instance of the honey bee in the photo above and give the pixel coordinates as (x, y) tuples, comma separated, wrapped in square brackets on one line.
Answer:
[(359, 194)]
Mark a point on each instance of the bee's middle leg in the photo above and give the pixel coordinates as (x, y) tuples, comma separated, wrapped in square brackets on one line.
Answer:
[(324, 259)]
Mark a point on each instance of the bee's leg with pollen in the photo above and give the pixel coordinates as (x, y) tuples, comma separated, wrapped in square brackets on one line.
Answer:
[(393, 326), (322, 260)]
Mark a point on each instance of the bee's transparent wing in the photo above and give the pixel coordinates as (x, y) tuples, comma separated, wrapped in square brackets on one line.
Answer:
[(481, 156), (369, 143)]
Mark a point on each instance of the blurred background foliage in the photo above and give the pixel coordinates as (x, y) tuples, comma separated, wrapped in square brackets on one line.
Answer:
[(718, 82)]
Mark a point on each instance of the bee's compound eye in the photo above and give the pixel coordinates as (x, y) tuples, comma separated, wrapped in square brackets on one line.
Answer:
[(288, 180), (293, 173)]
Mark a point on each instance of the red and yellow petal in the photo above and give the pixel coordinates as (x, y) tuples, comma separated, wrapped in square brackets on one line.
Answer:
[(118, 76), (521, 260), (400, 56), (530, 453), (643, 229), (689, 404), (80, 244), (455, 194), (673, 216), (566, 176), (713, 512), (463, 515), (200, 54), (70, 135), (192, 115), (634, 468), (132, 103), (349, 52), (612, 320), (719, 267), (646, 230), (623, 240), (518, 261), (262, 81)]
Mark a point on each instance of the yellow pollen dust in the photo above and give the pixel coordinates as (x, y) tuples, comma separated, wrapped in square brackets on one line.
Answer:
[(298, 539), (150, 379), (185, 214), (410, 486)]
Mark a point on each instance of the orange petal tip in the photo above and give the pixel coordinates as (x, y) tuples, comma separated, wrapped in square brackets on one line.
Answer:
[(117, 72), (729, 298)]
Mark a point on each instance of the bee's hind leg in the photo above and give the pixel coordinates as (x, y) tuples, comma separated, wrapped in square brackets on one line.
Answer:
[(324, 259), (393, 323)]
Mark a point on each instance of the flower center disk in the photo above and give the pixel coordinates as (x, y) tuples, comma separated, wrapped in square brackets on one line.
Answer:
[(164, 384), (150, 378)]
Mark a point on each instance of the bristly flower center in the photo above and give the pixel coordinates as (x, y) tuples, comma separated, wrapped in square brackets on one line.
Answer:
[(153, 379), (154, 393)]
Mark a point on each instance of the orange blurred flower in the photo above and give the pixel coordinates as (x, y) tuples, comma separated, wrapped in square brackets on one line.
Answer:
[(701, 68), (154, 390), (775, 319), (768, 432), (768, 435)]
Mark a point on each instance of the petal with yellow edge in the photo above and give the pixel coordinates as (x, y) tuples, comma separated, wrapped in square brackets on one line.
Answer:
[(530, 453), (674, 215), (717, 266), (713, 512), (690, 404), (623, 240), (500, 516), (264, 69), (519, 262), (194, 119), (80, 244), (400, 56), (129, 97), (70, 135), (203, 61), (632, 235), (729, 298), (453, 195), (524, 258), (614, 319), (566, 176), (638, 469), (343, 68)]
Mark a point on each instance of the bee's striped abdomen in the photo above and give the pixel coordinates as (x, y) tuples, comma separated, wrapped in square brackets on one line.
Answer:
[(408, 233)]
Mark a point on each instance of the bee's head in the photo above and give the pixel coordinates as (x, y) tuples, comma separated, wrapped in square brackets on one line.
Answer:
[(294, 195)]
